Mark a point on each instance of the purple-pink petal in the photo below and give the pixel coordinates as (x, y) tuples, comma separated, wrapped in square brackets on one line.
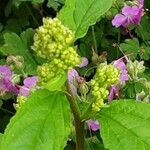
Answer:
[(24, 91), (93, 125), (72, 76), (112, 93), (128, 10), (124, 75), (129, 15), (122, 67), (141, 2), (30, 82), (5, 71), (119, 20), (120, 64), (8, 86), (84, 62)]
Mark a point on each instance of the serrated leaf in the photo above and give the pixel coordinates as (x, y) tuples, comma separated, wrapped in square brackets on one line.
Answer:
[(15, 45), (78, 15), (125, 125), (43, 123), (131, 46)]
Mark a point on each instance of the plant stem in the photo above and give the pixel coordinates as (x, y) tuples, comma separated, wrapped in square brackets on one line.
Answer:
[(7, 111), (118, 42), (85, 114), (94, 39), (32, 15), (79, 124)]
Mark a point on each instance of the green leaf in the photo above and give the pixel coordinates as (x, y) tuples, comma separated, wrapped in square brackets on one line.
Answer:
[(1, 137), (18, 2), (145, 53), (43, 123), (131, 46), (78, 15), (125, 125), (15, 45), (56, 83), (54, 4), (143, 31), (146, 74)]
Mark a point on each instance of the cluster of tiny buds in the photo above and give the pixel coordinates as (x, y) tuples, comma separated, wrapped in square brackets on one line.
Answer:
[(20, 102), (105, 76), (55, 43)]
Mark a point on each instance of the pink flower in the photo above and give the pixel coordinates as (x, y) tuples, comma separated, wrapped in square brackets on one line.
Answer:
[(6, 85), (129, 15), (122, 67), (29, 84), (93, 125), (84, 62), (72, 78), (114, 90)]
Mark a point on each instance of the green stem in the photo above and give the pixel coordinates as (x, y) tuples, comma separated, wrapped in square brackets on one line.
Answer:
[(32, 15), (85, 114), (7, 111), (94, 40), (79, 124), (119, 35)]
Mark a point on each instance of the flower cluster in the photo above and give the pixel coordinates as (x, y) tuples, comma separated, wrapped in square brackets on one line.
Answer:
[(54, 42), (129, 15), (29, 85), (6, 81), (105, 76)]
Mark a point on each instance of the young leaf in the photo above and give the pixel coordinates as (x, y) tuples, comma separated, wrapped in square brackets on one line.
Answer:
[(15, 45), (78, 15), (43, 123), (125, 125)]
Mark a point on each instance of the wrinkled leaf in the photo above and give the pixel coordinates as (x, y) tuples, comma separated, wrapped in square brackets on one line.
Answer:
[(78, 15), (126, 125), (43, 123)]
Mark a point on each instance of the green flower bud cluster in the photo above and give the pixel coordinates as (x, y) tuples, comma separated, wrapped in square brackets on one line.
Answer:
[(46, 72), (54, 42), (20, 102), (105, 76)]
